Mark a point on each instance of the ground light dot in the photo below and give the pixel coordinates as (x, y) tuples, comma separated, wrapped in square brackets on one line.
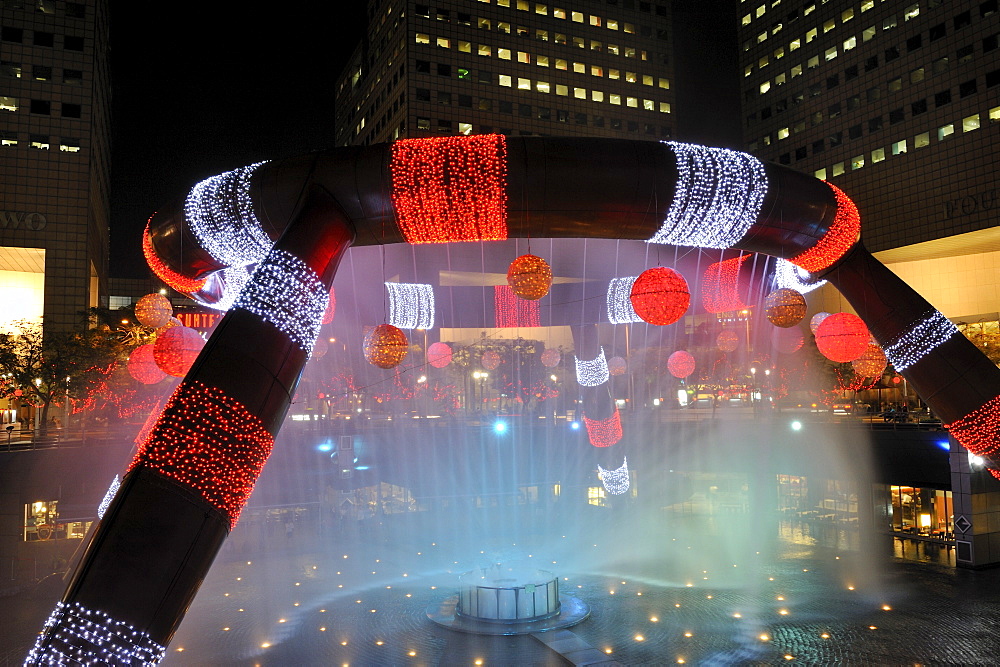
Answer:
[(265, 645), (379, 643), (225, 629), (780, 597), (322, 629), (678, 605), (680, 661), (688, 634), (764, 638), (783, 612), (239, 578), (789, 657), (825, 636), (639, 593), (180, 649), (873, 627), (737, 615), (297, 583), (296, 604), (708, 597), (479, 661), (886, 607), (411, 653), (281, 620), (344, 643), (608, 650), (640, 638), (850, 588), (654, 619)]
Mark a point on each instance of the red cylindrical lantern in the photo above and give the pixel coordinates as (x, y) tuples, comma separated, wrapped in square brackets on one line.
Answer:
[(617, 366), (176, 349), (385, 346), (660, 296), (680, 364), (551, 358), (491, 360), (871, 363), (142, 365), (439, 354), (529, 277), (787, 341), (153, 310), (842, 337), (785, 307), (727, 340)]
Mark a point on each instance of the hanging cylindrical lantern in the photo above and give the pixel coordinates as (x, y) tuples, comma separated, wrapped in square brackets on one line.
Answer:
[(153, 310), (617, 366), (142, 365), (787, 341), (817, 320), (176, 349), (490, 360), (842, 337), (727, 340), (551, 358), (385, 346), (872, 363), (439, 354), (680, 364), (529, 277), (785, 307), (660, 296)]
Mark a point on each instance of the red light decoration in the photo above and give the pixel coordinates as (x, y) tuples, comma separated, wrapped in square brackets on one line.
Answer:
[(210, 443), (617, 366), (530, 277), (681, 364), (510, 311), (142, 365), (439, 355), (449, 189), (176, 349), (491, 360), (164, 272), (385, 346), (720, 286), (331, 308), (784, 307), (871, 363), (788, 341), (843, 233), (604, 432), (551, 358), (153, 311), (660, 296), (842, 337), (978, 431), (727, 340)]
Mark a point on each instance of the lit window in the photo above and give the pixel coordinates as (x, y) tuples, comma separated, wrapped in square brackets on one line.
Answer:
[(664, 107), (917, 75), (630, 77), (850, 43), (995, 114), (505, 80), (761, 37), (911, 12), (868, 33), (577, 17), (8, 103), (580, 93), (542, 61), (614, 74), (838, 169), (558, 13), (899, 147), (649, 105), (820, 174), (811, 35), (613, 49), (612, 24), (595, 45), (764, 87), (889, 23), (465, 47), (809, 10), (647, 80), (503, 27), (946, 131), (632, 102), (69, 145), (444, 42), (523, 6), (541, 9), (783, 133), (970, 123), (465, 128), (846, 15), (486, 50), (579, 68), (922, 139), (562, 90), (502, 54), (423, 39), (8, 138), (747, 71), (542, 86), (796, 71), (794, 44), (780, 79), (746, 20), (831, 53), (596, 70), (524, 57), (484, 24), (779, 53), (542, 35), (664, 83), (523, 84), (866, 5), (40, 141), (857, 162), (763, 61), (423, 123), (615, 99), (629, 52), (597, 96), (561, 64), (595, 20), (878, 155), (829, 25), (579, 42), (628, 27), (813, 62)]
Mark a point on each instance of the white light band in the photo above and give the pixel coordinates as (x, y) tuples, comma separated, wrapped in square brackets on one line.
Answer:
[(108, 496), (789, 276), (616, 482), (76, 635), (220, 214), (620, 310), (592, 373), (411, 305), (927, 333)]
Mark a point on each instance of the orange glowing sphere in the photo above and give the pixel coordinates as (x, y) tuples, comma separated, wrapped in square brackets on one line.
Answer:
[(617, 366), (385, 346), (785, 307), (153, 310), (727, 340), (529, 277), (871, 363)]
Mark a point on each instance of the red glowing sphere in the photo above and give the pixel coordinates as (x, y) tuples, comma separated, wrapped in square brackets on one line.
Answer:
[(491, 360), (142, 365), (551, 358), (787, 341), (153, 310), (842, 337), (680, 364), (727, 340), (439, 355), (660, 296), (617, 366), (176, 349)]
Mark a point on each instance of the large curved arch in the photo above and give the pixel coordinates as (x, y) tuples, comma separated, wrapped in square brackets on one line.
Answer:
[(295, 218)]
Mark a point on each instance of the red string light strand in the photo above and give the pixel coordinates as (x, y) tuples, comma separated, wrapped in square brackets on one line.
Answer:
[(843, 233), (604, 432), (978, 431), (511, 311), (448, 189), (720, 291), (164, 272)]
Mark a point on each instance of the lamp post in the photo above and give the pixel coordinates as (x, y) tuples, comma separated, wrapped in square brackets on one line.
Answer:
[(753, 390)]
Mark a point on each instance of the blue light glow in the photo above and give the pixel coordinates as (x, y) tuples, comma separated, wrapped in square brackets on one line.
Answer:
[(944, 444), (324, 447), (500, 427), (574, 425)]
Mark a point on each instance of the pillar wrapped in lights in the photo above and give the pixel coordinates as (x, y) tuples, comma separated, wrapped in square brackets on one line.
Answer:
[(926, 333), (529, 277), (720, 285), (604, 432), (681, 364), (620, 310), (788, 275), (660, 296), (979, 432), (841, 236), (842, 337), (142, 365), (615, 482), (551, 357), (727, 340), (411, 305), (592, 372), (91, 637), (385, 346), (784, 307), (220, 214), (176, 349), (872, 363), (788, 341), (153, 310), (439, 354)]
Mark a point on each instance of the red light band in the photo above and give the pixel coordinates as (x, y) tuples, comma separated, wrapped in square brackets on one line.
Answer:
[(451, 188), (843, 233), (511, 311), (164, 272), (604, 432), (979, 430), (720, 290)]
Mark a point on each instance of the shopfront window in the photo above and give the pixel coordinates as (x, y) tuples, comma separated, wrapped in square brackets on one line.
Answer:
[(921, 511), (41, 523)]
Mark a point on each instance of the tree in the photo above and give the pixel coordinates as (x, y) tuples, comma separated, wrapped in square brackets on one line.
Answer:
[(55, 365)]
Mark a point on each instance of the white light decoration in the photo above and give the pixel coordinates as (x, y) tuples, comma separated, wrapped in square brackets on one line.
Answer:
[(718, 196), (790, 276), (76, 635), (592, 373), (411, 305), (927, 333), (616, 482), (620, 310), (289, 295), (108, 496), (220, 214)]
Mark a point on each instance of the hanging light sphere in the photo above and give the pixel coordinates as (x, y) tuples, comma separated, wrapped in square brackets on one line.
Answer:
[(153, 310), (842, 337), (551, 358), (331, 308), (142, 365), (439, 355), (176, 349), (680, 364), (871, 363), (491, 360), (727, 340), (660, 296), (529, 277), (172, 322), (617, 366), (785, 307), (385, 346), (787, 341), (320, 348), (817, 320)]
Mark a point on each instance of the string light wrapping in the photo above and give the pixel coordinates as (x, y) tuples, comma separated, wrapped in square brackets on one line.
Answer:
[(788, 275), (411, 305), (616, 482), (872, 363), (660, 296), (490, 360), (331, 308), (108, 497), (209, 443), (142, 365), (551, 357), (153, 310), (843, 233), (510, 311), (289, 295), (529, 277), (219, 212), (727, 340), (817, 320), (617, 366), (439, 354), (784, 307), (91, 637), (592, 373), (620, 310), (449, 189), (788, 341), (681, 364), (720, 291), (842, 337), (227, 283), (979, 432), (165, 273), (929, 331), (176, 349), (604, 432), (717, 198), (385, 346)]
